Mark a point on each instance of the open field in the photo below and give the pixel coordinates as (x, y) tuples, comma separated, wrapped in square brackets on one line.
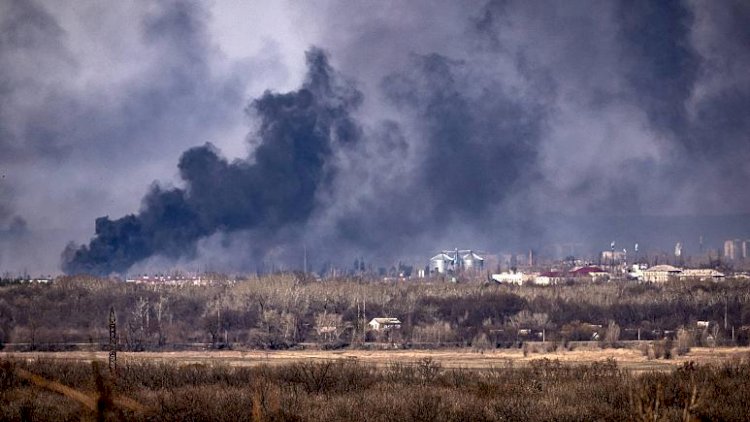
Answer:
[(628, 359)]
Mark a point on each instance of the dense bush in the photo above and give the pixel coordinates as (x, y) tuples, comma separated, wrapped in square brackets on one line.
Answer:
[(280, 311)]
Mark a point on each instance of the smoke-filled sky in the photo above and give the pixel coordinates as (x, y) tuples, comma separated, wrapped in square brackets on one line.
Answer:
[(232, 135)]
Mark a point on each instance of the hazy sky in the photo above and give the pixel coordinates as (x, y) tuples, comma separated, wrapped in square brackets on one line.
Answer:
[(353, 128)]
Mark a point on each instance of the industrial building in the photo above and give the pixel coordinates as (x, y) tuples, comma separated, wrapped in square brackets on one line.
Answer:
[(456, 260)]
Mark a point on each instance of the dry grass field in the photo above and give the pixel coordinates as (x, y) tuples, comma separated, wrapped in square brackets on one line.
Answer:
[(443, 385), (628, 359)]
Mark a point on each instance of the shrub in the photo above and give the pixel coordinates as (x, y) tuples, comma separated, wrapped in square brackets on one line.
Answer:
[(480, 343), (684, 341), (612, 335)]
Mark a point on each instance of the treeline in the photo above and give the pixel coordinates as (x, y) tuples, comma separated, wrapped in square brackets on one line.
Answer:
[(282, 311), (344, 390)]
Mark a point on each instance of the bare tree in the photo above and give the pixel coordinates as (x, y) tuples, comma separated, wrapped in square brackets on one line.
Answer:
[(612, 335), (480, 343), (7, 322), (161, 310), (328, 326), (138, 322)]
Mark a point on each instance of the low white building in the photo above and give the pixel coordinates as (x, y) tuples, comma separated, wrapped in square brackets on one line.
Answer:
[(701, 274), (508, 277), (661, 273), (635, 272), (383, 324), (548, 278)]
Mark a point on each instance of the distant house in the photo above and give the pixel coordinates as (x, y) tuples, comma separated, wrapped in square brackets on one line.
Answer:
[(329, 329), (661, 273), (384, 324), (590, 271)]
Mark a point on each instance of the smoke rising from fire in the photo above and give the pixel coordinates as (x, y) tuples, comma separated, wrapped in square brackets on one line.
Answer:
[(274, 188)]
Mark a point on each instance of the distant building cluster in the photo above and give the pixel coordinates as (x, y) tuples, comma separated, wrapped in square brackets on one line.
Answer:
[(655, 274), (554, 276), (610, 264)]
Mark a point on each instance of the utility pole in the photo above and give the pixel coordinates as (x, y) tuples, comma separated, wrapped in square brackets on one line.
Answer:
[(112, 341), (356, 326), (364, 320), (726, 300), (304, 258)]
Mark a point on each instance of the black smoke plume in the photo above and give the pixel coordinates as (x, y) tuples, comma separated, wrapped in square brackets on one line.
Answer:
[(508, 126), (277, 186)]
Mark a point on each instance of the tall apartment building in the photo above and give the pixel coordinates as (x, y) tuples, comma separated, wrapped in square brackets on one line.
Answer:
[(736, 249)]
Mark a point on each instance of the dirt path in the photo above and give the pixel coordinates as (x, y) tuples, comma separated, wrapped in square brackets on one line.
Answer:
[(449, 358)]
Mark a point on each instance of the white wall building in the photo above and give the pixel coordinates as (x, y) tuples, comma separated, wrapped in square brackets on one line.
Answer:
[(701, 274), (508, 277), (661, 273)]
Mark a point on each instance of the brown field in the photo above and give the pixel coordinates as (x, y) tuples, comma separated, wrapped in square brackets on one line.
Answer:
[(305, 385), (629, 359)]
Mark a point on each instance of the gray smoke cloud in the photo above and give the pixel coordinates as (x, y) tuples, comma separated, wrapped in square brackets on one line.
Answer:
[(500, 125), (275, 188), (97, 102), (532, 123)]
